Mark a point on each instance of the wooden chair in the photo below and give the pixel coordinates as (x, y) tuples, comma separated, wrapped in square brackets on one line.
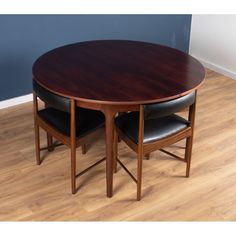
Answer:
[(71, 125), (156, 126)]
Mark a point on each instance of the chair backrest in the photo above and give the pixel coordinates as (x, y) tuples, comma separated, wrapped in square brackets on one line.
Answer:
[(51, 99), (162, 109)]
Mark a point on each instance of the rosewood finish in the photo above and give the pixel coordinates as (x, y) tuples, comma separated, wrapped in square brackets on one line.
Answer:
[(118, 72), (117, 76)]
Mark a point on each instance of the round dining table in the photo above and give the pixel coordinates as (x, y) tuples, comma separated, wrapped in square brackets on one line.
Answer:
[(117, 76)]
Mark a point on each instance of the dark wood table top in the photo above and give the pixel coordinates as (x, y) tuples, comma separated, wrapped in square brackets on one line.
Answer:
[(118, 72)]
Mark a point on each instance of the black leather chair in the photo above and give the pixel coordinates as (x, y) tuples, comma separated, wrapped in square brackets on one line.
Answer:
[(70, 125), (156, 126)]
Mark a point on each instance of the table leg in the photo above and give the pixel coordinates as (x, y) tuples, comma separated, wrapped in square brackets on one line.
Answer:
[(109, 151)]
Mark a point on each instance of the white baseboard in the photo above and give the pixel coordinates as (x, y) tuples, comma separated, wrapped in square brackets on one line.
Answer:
[(217, 68), (16, 101)]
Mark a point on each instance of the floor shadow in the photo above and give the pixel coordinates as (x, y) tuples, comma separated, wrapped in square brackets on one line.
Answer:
[(89, 178)]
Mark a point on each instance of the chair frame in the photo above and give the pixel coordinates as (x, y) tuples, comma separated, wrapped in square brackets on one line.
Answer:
[(70, 141), (144, 149)]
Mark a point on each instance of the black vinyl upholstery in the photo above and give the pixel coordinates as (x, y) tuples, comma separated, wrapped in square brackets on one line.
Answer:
[(57, 113), (86, 120), (51, 99), (162, 109), (154, 129)]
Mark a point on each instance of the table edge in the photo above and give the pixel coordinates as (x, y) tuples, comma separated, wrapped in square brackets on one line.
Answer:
[(103, 102)]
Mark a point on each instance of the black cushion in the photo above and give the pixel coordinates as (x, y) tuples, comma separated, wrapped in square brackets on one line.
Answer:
[(86, 120), (152, 111), (154, 129), (51, 99)]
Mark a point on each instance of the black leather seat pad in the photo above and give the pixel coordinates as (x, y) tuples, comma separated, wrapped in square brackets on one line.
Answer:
[(154, 129), (86, 120)]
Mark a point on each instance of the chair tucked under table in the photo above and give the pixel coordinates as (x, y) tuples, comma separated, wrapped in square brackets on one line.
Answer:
[(67, 123), (154, 127)]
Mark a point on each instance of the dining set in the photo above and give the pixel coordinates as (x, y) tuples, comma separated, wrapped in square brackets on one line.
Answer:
[(130, 90)]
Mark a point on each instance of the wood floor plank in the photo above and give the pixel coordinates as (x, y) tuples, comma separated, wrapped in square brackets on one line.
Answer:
[(42, 193)]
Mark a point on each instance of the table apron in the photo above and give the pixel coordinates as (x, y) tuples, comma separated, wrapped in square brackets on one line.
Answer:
[(108, 107)]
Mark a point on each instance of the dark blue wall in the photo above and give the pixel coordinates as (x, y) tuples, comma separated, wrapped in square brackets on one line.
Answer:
[(23, 38)]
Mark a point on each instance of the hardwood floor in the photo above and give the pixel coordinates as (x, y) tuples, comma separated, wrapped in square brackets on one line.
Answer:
[(29, 192)]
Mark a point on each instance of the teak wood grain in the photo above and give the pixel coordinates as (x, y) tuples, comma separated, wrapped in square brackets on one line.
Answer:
[(36, 193)]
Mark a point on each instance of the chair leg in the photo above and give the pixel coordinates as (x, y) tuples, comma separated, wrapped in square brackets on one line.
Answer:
[(188, 154), (50, 142), (140, 152), (139, 175), (115, 149), (73, 170), (37, 144), (73, 145), (83, 148)]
